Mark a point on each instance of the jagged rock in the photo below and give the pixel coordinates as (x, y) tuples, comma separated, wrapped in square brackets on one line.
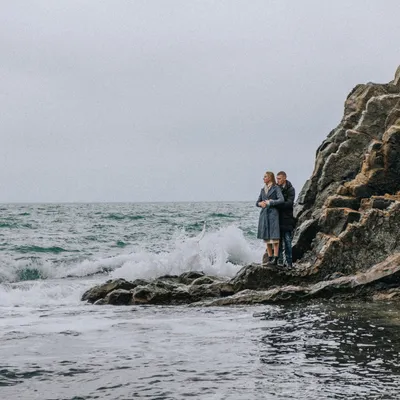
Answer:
[(369, 284), (362, 245), (204, 280), (150, 294), (256, 277), (379, 202), (343, 202), (169, 278), (188, 277), (359, 160), (397, 76), (118, 297), (303, 237), (220, 289), (101, 291), (335, 220)]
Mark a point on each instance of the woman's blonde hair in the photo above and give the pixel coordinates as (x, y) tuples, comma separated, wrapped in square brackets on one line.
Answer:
[(271, 176)]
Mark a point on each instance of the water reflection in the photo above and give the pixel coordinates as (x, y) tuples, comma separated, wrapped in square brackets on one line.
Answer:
[(331, 351)]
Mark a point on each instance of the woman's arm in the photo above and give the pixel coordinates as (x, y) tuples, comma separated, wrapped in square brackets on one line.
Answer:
[(259, 200), (279, 195)]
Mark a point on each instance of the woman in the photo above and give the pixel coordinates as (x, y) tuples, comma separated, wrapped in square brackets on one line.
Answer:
[(268, 224)]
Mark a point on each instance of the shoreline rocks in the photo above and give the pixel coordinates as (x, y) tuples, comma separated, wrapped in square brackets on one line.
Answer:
[(380, 282)]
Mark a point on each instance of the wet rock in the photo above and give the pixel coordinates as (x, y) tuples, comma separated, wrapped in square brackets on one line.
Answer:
[(376, 283), (335, 220), (118, 297), (101, 291), (205, 291), (161, 293), (379, 202), (204, 280), (257, 277), (169, 278), (337, 201), (188, 277)]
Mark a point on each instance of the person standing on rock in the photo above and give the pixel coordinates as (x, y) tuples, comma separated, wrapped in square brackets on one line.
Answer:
[(286, 219), (268, 224)]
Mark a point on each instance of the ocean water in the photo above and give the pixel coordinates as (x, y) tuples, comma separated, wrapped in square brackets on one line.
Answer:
[(53, 346)]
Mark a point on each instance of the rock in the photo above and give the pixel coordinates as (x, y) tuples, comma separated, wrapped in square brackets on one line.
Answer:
[(366, 285), (357, 167), (188, 277), (150, 294), (256, 277), (205, 291), (387, 295), (335, 220), (397, 76), (160, 293), (379, 202), (204, 280), (248, 296), (169, 278), (337, 201), (118, 297), (140, 282), (101, 291), (303, 237)]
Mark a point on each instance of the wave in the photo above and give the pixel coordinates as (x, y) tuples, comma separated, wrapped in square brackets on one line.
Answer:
[(119, 217), (39, 249), (43, 293), (14, 225), (221, 253), (221, 215)]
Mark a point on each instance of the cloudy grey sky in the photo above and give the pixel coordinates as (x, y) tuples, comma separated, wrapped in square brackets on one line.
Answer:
[(177, 100)]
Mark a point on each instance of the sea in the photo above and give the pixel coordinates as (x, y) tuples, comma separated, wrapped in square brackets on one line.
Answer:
[(54, 346)]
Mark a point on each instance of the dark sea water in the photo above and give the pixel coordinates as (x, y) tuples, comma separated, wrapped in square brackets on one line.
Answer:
[(53, 346)]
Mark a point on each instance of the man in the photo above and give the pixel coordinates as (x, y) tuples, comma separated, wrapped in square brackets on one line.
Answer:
[(286, 219)]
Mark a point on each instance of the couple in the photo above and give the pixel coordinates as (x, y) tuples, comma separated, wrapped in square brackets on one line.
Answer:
[(276, 221)]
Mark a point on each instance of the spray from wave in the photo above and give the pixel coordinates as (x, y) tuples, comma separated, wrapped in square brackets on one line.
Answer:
[(220, 253)]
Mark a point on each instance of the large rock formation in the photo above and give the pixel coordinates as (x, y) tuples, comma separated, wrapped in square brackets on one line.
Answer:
[(347, 241), (347, 213)]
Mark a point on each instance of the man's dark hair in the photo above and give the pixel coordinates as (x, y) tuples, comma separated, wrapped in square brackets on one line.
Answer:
[(282, 173)]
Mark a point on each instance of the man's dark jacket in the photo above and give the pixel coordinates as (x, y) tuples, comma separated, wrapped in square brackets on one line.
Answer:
[(286, 219)]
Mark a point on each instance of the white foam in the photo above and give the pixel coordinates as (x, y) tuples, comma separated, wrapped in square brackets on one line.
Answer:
[(43, 292), (220, 253)]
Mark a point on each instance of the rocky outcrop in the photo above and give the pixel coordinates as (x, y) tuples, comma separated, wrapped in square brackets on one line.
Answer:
[(256, 284), (348, 211), (380, 282), (184, 289), (347, 241)]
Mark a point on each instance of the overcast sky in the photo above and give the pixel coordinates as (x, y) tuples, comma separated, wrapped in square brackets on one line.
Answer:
[(177, 100)]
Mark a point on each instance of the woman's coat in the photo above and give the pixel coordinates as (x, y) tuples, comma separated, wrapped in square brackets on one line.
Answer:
[(268, 224)]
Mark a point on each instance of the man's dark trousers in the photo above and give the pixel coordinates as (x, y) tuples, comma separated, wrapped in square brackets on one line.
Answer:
[(285, 245)]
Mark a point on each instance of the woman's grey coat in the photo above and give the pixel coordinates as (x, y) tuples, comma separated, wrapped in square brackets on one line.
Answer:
[(268, 223)]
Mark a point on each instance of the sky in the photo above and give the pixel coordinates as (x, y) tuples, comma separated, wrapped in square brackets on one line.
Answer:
[(178, 100)]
